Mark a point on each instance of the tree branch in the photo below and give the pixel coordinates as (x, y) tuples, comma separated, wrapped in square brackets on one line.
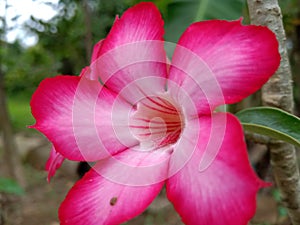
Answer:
[(278, 93)]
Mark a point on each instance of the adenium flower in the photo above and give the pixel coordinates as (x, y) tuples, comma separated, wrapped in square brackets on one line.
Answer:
[(148, 121)]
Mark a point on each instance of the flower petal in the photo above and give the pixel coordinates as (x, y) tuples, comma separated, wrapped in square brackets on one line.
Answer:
[(76, 115), (138, 23), (137, 166), (225, 60), (53, 163), (97, 200), (97, 50), (225, 192), (133, 50)]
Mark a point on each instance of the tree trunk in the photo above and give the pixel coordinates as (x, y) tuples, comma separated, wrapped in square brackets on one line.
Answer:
[(278, 93), (10, 153), (10, 205)]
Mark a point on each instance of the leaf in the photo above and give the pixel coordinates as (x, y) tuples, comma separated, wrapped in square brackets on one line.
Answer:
[(181, 13), (271, 122), (10, 186)]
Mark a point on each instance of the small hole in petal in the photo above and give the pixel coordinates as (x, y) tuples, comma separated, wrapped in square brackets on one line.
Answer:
[(113, 201)]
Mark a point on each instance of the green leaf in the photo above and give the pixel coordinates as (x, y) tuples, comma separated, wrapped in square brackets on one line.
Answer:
[(10, 186), (181, 13), (282, 211), (271, 122)]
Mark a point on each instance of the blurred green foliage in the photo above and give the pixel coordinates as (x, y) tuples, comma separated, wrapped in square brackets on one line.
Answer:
[(61, 44), (282, 211), (25, 68), (181, 13), (10, 186), (20, 113)]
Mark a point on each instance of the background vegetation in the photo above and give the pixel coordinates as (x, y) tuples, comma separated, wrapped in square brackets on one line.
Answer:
[(65, 43)]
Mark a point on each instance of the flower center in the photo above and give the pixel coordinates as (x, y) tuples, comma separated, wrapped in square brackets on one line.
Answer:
[(156, 122)]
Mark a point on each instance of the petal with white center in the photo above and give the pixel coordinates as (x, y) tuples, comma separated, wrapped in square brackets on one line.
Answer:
[(133, 50), (220, 62), (225, 192), (75, 114), (138, 23), (98, 200), (137, 166)]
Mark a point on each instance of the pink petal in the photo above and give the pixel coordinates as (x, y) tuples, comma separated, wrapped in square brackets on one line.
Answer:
[(97, 50), (76, 116), (185, 146), (53, 163), (133, 54), (225, 192), (138, 23), (97, 200), (221, 62), (137, 166)]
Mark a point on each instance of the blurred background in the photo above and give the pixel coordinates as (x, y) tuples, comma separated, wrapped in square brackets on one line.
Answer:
[(39, 39)]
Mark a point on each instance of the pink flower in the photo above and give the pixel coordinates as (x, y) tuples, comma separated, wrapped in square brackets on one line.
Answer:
[(148, 122), (53, 163)]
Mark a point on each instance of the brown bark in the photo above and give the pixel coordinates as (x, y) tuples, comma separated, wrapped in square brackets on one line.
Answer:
[(278, 93)]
